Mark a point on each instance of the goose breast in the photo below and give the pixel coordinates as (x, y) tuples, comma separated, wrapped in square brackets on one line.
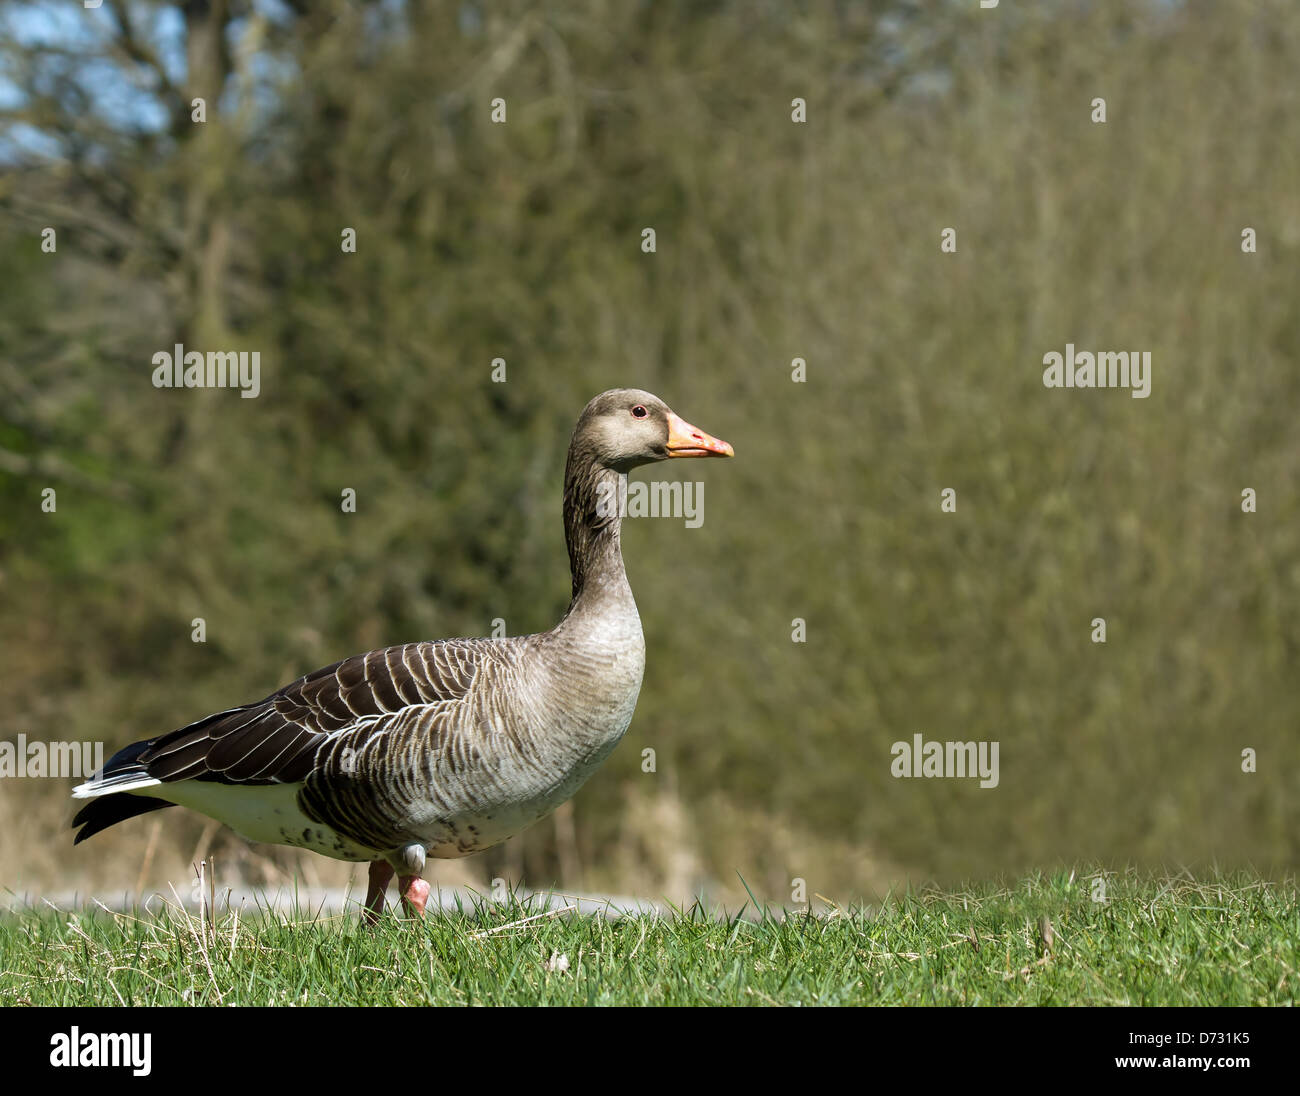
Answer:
[(461, 776)]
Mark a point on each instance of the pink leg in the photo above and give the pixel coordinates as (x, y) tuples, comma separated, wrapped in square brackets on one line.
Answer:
[(415, 893), (381, 874)]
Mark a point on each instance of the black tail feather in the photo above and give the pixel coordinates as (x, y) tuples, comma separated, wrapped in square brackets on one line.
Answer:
[(109, 810)]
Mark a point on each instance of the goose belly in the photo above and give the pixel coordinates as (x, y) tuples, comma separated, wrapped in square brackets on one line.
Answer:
[(489, 819), (515, 786), (267, 813)]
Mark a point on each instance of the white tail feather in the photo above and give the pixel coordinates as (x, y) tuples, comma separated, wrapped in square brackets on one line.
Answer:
[(92, 788)]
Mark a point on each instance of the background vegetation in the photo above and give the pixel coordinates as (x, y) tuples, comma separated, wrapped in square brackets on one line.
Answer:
[(775, 241)]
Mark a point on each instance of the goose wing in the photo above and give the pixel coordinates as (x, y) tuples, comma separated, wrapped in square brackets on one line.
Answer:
[(277, 740)]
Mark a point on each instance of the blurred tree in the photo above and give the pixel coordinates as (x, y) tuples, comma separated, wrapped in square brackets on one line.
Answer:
[(521, 241)]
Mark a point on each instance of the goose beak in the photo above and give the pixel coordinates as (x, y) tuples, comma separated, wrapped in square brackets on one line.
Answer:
[(685, 440)]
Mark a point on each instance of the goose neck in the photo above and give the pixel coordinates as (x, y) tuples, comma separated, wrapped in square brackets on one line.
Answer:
[(594, 498)]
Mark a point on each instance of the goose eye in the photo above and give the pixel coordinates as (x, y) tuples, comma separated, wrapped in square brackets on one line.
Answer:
[(639, 412)]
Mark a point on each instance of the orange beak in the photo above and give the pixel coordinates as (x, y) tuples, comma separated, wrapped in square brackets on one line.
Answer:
[(685, 440)]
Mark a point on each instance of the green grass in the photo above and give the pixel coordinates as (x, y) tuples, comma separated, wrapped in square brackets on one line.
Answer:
[(1155, 941)]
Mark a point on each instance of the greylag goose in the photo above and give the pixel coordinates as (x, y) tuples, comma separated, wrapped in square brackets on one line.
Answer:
[(433, 749)]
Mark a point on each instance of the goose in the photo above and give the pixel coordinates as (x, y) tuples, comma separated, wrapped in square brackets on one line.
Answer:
[(432, 749)]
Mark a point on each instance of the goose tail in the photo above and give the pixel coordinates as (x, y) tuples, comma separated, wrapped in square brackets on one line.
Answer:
[(99, 814), (108, 791), (123, 772)]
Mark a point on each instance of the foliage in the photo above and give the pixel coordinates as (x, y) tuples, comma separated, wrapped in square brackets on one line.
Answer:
[(775, 241)]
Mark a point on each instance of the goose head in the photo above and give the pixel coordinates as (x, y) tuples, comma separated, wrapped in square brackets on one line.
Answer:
[(625, 428), (619, 430)]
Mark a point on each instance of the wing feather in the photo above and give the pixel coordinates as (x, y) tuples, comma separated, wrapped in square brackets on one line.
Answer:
[(279, 739)]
